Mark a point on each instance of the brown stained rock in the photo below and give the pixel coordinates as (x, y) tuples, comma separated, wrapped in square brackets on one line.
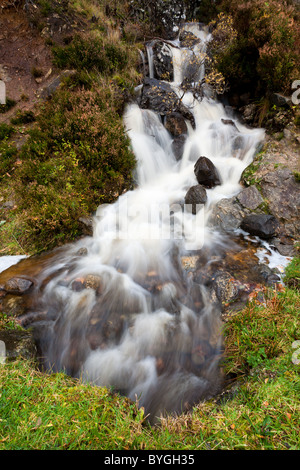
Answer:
[(18, 285), (175, 124)]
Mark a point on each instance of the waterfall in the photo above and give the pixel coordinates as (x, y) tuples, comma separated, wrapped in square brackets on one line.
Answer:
[(127, 315)]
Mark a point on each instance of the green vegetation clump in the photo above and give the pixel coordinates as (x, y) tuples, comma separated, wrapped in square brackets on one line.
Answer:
[(264, 55), (8, 155), (23, 117), (91, 53), (76, 158), (5, 131), (292, 274)]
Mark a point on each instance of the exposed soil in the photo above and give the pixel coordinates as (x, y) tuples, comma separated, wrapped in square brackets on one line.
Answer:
[(23, 53)]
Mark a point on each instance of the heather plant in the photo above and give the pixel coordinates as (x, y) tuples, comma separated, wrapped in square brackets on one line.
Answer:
[(76, 158), (88, 53), (263, 55)]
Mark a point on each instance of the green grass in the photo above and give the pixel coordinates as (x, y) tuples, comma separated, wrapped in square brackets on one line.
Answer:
[(259, 412)]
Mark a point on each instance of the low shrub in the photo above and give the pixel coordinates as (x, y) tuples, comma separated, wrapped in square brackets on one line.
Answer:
[(264, 55), (5, 131), (88, 53), (76, 158), (8, 153), (23, 117)]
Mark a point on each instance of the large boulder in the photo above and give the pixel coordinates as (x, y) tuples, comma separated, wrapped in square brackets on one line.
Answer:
[(262, 225), (195, 197), (158, 96), (206, 173), (163, 61)]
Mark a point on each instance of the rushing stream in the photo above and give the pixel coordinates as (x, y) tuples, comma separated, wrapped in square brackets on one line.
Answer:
[(120, 309)]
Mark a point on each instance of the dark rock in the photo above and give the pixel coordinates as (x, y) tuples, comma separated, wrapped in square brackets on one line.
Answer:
[(206, 173), (191, 71), (196, 196), (18, 285), (229, 122), (163, 61), (175, 124), (250, 197), (280, 100), (262, 225), (159, 97)]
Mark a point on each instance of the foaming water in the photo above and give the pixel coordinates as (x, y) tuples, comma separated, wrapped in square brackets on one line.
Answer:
[(126, 315)]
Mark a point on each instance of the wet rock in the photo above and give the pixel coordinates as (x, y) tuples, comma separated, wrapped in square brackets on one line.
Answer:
[(93, 282), (195, 197), (13, 305), (229, 122), (188, 39), (178, 146), (163, 61), (225, 288), (158, 96), (87, 225), (250, 197), (206, 173), (227, 215), (18, 344), (82, 251), (175, 124), (249, 113), (18, 285), (262, 225)]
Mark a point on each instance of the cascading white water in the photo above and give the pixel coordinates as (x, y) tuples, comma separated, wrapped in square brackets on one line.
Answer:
[(144, 328)]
